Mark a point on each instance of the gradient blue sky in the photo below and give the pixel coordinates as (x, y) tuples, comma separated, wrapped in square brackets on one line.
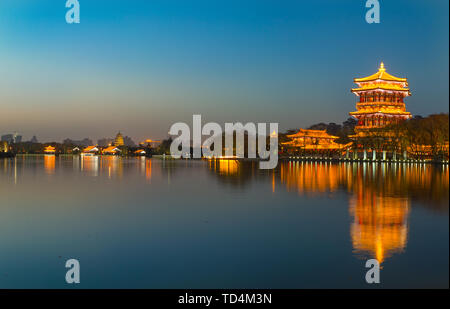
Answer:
[(139, 66)]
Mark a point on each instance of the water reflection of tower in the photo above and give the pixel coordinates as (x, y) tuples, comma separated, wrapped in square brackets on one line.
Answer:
[(49, 164), (380, 216), (380, 223)]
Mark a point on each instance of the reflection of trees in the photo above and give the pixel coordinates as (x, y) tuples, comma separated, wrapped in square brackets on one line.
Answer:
[(424, 183), (429, 185)]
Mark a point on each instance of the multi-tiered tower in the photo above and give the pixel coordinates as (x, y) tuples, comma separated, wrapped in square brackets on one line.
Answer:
[(381, 102), (119, 141)]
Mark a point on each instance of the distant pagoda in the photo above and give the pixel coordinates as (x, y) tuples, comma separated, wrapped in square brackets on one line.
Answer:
[(118, 141), (381, 101)]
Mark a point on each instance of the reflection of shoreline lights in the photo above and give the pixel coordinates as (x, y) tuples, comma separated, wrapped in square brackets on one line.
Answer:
[(273, 182), (387, 179), (312, 177), (113, 164), (220, 157), (49, 164), (228, 167), (90, 164), (148, 169)]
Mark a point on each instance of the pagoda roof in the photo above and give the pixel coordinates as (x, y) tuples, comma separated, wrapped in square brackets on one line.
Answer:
[(111, 149), (392, 87), (380, 75), (90, 149), (49, 149), (331, 146), (312, 133), (382, 111)]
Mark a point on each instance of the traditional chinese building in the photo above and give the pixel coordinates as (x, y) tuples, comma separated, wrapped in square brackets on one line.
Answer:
[(90, 151), (118, 141), (314, 140), (140, 152), (381, 101), (112, 150), (49, 164), (49, 150)]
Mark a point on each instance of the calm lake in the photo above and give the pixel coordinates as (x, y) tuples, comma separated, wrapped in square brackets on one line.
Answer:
[(149, 223)]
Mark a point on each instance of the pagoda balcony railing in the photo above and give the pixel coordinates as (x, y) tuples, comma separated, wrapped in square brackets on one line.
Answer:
[(382, 103)]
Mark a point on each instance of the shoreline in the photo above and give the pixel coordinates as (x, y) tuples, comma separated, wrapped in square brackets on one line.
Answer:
[(284, 159)]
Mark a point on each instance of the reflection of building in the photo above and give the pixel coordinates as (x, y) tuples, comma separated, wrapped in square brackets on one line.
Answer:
[(379, 198), (118, 141), (148, 169), (49, 164), (314, 140), (379, 225), (380, 103)]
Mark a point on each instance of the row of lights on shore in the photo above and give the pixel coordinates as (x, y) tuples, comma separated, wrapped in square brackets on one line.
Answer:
[(364, 160)]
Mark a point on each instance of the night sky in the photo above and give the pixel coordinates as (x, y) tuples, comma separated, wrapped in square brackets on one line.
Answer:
[(140, 66)]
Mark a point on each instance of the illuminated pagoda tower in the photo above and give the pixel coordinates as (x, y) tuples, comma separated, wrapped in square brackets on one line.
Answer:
[(381, 101), (118, 141)]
